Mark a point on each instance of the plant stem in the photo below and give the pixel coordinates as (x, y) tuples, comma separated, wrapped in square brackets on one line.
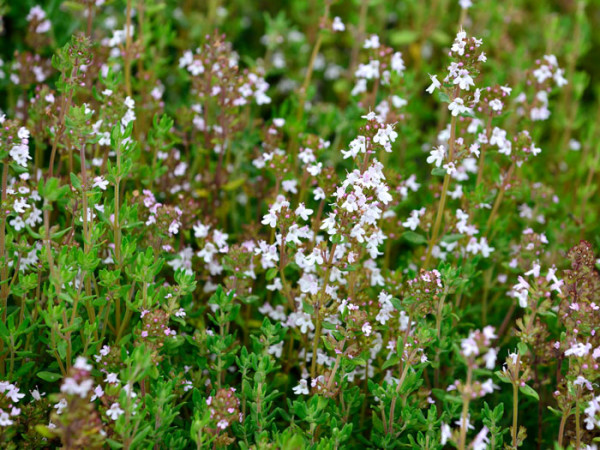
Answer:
[(499, 198), (569, 103), (462, 443), (587, 191), (442, 204), (482, 152), (438, 327), (309, 70), (3, 259), (117, 222), (335, 368), (577, 424), (515, 414), (561, 430), (398, 387), (127, 55), (317, 337)]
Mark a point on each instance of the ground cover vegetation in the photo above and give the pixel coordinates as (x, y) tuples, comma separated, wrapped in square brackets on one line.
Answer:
[(309, 224)]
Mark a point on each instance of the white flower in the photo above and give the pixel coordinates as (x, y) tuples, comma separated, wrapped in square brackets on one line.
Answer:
[(98, 393), (303, 211), (100, 182), (36, 394), (446, 433), (23, 133), (367, 329), (535, 271), (488, 387), (129, 103), (60, 406), (496, 105), (337, 24), (20, 153), (304, 322), (574, 145), (579, 349), (414, 220), (5, 419), (112, 378), (115, 411), (290, 186), (464, 80), (457, 106), (319, 194), (450, 168), (591, 412), (270, 219), (397, 63), (201, 231), (398, 102), (434, 84), (481, 440), (490, 358), (436, 156), (302, 388), (385, 137), (484, 248), (372, 42), (72, 387), (357, 146), (20, 205), (17, 223), (469, 346), (81, 364)]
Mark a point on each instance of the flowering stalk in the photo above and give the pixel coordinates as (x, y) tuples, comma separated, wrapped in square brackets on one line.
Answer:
[(397, 392), (484, 146), (569, 104), (561, 428), (466, 397), (441, 206), (438, 327), (86, 241), (319, 304), (499, 198), (311, 64), (515, 386), (578, 393), (3, 258), (127, 55)]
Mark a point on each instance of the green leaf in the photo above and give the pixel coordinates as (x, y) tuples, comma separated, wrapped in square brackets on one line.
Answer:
[(328, 326), (501, 376), (49, 376), (529, 391), (45, 431), (414, 238), (271, 273), (438, 172), (75, 181), (397, 303), (393, 361), (307, 307), (450, 238), (403, 37), (234, 184), (444, 97), (522, 347)]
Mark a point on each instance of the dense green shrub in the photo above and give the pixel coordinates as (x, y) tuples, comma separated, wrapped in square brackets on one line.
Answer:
[(307, 224)]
